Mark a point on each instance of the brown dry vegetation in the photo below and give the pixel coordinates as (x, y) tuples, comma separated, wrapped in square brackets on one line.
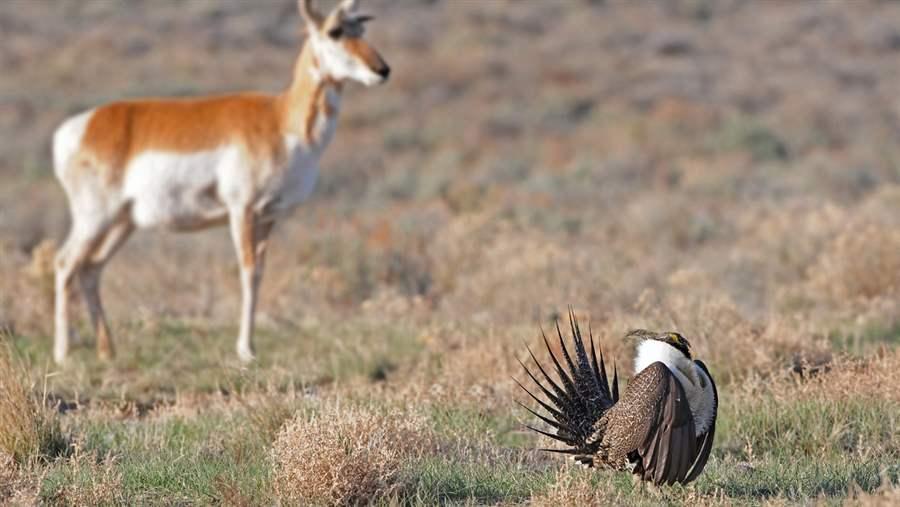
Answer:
[(28, 428), (345, 457), (729, 169), (86, 479)]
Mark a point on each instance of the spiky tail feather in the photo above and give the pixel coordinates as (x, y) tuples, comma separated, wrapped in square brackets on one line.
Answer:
[(574, 407)]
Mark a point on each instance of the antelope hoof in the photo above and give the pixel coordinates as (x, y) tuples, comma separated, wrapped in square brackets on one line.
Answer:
[(246, 355), (59, 356), (106, 354)]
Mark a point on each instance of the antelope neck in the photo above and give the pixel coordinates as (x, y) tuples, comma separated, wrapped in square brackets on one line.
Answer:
[(310, 98)]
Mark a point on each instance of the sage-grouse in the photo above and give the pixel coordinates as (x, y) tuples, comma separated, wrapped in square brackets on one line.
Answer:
[(661, 428)]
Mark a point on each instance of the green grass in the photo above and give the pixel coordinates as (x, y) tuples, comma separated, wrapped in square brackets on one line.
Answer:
[(775, 439), (485, 457), (500, 424), (796, 477), (749, 135), (803, 450), (178, 459), (154, 363), (825, 428), (797, 453), (444, 480), (864, 341), (768, 447)]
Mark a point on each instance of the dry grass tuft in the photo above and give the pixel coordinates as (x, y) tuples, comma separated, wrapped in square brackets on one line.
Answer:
[(860, 265), (848, 411), (886, 496), (9, 477), (874, 378), (573, 488), (267, 418), (42, 261), (28, 429), (89, 480), (345, 456), (16, 486), (577, 486)]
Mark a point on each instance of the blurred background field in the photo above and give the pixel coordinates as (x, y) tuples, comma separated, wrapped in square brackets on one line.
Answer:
[(729, 169)]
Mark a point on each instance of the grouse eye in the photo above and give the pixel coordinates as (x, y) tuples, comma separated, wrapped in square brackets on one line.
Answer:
[(336, 32)]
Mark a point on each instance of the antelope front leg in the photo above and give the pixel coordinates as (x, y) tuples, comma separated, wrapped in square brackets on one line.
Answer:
[(250, 239), (90, 281)]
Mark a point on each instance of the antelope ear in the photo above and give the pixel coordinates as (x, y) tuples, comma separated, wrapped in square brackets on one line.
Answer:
[(349, 6), (309, 13), (333, 21)]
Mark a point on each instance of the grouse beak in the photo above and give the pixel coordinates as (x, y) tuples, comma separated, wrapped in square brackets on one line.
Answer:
[(675, 339)]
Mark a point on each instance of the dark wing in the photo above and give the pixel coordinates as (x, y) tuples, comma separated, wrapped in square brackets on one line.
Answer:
[(580, 398), (705, 441), (663, 426)]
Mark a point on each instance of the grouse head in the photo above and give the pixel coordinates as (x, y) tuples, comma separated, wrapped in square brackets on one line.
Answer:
[(676, 340)]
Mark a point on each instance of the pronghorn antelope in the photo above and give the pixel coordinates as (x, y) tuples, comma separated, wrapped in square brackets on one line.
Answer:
[(245, 159)]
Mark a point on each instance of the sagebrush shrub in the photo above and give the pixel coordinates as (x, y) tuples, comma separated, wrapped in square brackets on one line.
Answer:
[(28, 429), (344, 456), (861, 264)]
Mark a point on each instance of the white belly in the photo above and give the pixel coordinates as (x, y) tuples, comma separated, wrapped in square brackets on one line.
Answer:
[(176, 190), (190, 191)]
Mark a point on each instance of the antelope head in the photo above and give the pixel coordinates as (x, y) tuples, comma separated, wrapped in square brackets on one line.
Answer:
[(337, 42)]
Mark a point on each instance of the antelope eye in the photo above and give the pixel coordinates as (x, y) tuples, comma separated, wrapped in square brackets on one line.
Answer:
[(336, 32)]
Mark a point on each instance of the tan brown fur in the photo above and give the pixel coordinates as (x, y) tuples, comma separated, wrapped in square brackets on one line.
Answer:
[(306, 100), (362, 50), (120, 131)]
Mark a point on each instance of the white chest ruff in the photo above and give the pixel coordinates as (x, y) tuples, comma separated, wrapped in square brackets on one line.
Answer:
[(298, 180), (326, 124)]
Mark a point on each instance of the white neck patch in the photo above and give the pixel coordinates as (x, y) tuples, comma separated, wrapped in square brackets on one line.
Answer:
[(651, 351)]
